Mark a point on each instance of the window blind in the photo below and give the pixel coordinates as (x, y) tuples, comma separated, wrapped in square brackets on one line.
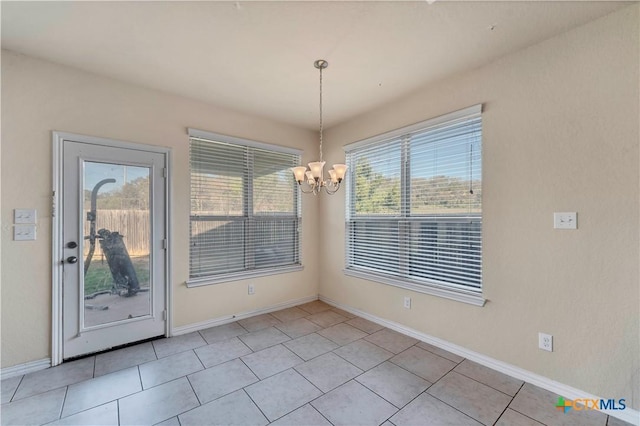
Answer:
[(244, 209), (414, 209)]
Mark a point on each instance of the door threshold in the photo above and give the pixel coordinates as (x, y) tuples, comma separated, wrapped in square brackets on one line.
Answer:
[(115, 348)]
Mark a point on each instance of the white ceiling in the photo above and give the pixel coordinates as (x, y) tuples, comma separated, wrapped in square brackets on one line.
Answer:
[(257, 57)]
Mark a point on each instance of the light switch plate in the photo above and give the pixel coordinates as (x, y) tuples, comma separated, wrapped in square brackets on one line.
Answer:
[(565, 220), (24, 232), (24, 216)]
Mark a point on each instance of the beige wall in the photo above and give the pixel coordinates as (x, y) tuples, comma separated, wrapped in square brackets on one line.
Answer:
[(560, 133), (38, 97)]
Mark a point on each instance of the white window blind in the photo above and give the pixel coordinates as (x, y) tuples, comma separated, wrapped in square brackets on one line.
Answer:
[(245, 211), (414, 210)]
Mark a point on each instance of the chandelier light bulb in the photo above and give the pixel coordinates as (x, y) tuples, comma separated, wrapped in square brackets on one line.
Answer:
[(316, 169), (332, 174), (299, 172), (341, 171)]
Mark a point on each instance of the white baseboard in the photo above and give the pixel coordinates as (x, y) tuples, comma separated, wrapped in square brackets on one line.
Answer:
[(628, 415), (184, 329), (28, 367)]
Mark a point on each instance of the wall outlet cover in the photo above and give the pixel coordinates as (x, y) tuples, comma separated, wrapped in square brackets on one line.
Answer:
[(545, 342), (565, 220), (407, 302)]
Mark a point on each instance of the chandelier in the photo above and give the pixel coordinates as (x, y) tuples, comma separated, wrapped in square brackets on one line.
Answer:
[(313, 177)]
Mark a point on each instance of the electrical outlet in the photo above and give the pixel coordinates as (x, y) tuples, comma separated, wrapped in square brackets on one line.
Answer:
[(251, 290), (566, 220), (407, 302), (545, 342)]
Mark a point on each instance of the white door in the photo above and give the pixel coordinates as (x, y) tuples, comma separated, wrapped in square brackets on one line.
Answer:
[(113, 238)]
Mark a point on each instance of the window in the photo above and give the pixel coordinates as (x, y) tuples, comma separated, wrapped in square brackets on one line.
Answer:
[(414, 207), (245, 211)]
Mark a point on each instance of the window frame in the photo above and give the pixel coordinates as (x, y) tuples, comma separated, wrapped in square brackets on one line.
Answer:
[(461, 293), (248, 215)]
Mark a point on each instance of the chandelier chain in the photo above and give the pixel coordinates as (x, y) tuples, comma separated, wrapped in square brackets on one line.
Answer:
[(321, 113)]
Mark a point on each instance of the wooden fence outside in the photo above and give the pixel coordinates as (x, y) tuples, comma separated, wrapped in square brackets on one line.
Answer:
[(133, 225)]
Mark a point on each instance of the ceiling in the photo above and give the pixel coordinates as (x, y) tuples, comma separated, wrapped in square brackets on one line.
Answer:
[(257, 57)]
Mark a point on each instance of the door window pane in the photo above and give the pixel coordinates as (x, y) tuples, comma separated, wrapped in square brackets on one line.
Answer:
[(116, 244)]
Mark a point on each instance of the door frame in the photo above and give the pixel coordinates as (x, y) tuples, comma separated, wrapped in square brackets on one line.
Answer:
[(58, 139)]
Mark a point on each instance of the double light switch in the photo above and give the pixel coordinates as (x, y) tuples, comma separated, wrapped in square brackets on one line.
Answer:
[(24, 228)]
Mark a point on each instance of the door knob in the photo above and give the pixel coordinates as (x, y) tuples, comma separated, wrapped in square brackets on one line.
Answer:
[(72, 259), (72, 244)]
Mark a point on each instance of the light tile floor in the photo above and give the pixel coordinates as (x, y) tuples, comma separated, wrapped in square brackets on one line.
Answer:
[(308, 365)]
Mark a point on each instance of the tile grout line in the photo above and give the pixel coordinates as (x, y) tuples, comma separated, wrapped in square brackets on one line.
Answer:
[(154, 351), (443, 357), (254, 403), (170, 381), (380, 396), (417, 375), (449, 359), (91, 408), (314, 399), (482, 383), (142, 389), (529, 417), (446, 403), (365, 338), (177, 416), (310, 382), (243, 327), (412, 399), (15, 391), (319, 396), (199, 360), (402, 368), (64, 401), (252, 372), (458, 410), (201, 336), (364, 371), (198, 356), (316, 410), (505, 409), (194, 392)]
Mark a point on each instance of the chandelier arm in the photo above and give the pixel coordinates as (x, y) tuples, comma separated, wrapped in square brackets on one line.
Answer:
[(312, 188), (337, 187)]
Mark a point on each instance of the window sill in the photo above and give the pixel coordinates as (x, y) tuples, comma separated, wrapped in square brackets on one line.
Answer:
[(244, 275), (469, 297)]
